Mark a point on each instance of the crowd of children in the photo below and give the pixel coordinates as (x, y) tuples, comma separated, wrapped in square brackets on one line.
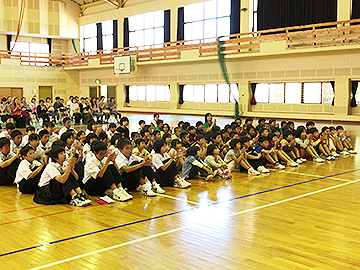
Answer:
[(71, 165)]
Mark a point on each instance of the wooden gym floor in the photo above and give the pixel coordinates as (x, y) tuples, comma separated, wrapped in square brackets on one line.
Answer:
[(299, 218)]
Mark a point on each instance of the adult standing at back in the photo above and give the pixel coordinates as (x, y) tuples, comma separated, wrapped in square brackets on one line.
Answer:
[(209, 123)]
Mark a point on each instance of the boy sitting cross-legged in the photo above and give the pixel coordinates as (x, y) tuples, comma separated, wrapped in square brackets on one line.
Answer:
[(267, 152)]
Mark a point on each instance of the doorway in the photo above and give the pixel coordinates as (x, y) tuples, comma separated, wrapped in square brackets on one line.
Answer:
[(45, 91)]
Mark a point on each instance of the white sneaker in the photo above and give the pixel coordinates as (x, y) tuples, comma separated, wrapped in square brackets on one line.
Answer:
[(156, 188), (352, 151), (77, 201), (298, 161), (262, 169), (277, 165), (209, 177), (107, 199), (303, 159), (119, 195), (345, 153), (185, 183), (179, 183), (334, 154), (319, 160), (293, 164), (127, 194), (146, 190), (329, 158), (252, 171)]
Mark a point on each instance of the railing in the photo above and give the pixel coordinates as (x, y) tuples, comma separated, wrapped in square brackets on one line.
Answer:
[(306, 36)]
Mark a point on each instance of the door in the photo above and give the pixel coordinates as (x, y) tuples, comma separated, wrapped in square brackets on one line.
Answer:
[(44, 92)]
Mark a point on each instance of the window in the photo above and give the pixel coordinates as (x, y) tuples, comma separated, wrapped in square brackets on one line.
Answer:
[(211, 93), (89, 33), (207, 19), (295, 93), (107, 29), (146, 29), (32, 49), (149, 93)]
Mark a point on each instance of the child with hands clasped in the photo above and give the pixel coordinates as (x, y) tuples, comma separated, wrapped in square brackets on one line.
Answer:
[(304, 144), (214, 161), (268, 153)]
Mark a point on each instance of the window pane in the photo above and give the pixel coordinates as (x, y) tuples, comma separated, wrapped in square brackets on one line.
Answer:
[(198, 93), (194, 12), (149, 36), (90, 45), (293, 93), (150, 93), (107, 27), (224, 8), (211, 93), (223, 93), (133, 93), (188, 93), (276, 93), (234, 92), (312, 92), (139, 37), (160, 93), (210, 9), (167, 93), (210, 28), (327, 93), (357, 96), (90, 30), (149, 20), (132, 39), (198, 30), (223, 27), (188, 31), (141, 93), (262, 93), (159, 35), (136, 22), (159, 18), (108, 42)]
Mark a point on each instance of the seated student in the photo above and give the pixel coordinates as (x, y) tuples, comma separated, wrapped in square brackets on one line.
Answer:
[(261, 122), (29, 130), (199, 128), (337, 142), (201, 143), (180, 124), (134, 137), (87, 146), (140, 149), (268, 153), (154, 121), (100, 175), (288, 145), (303, 143), (329, 141), (103, 137), (16, 141), (194, 166), (44, 143), (263, 132), (178, 151), (9, 162), (66, 127), (146, 135), (345, 139), (309, 125), (49, 126), (111, 131), (34, 141), (177, 133), (185, 139), (235, 158), (318, 144), (167, 138), (58, 182), (272, 125), (166, 128), (9, 128), (157, 135), (215, 162), (275, 144), (123, 128), (91, 128), (80, 137), (141, 125), (282, 125), (29, 171), (192, 134), (160, 125), (134, 169), (166, 171), (254, 158)]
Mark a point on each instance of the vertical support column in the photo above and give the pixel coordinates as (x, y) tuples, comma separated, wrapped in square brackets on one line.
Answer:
[(174, 100), (245, 16), (343, 10), (342, 96)]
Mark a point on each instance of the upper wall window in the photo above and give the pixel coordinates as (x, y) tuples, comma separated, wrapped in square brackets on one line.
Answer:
[(32, 49), (211, 93), (107, 30), (208, 19), (146, 29), (89, 32)]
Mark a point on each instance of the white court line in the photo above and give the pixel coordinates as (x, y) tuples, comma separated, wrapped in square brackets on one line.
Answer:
[(318, 176), (182, 228), (178, 199)]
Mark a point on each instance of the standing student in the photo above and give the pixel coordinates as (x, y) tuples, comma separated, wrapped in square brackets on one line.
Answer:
[(100, 175), (58, 183), (167, 173), (134, 169), (29, 171), (9, 162)]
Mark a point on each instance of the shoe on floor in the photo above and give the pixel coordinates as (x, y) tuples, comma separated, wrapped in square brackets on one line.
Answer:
[(155, 187), (146, 190), (120, 195)]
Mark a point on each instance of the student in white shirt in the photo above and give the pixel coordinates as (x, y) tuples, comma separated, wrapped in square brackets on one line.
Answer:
[(16, 141), (58, 183), (167, 173), (134, 169), (111, 131), (9, 163), (34, 141), (87, 147), (49, 126), (9, 128), (44, 143), (29, 130), (29, 171), (66, 127), (100, 175)]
